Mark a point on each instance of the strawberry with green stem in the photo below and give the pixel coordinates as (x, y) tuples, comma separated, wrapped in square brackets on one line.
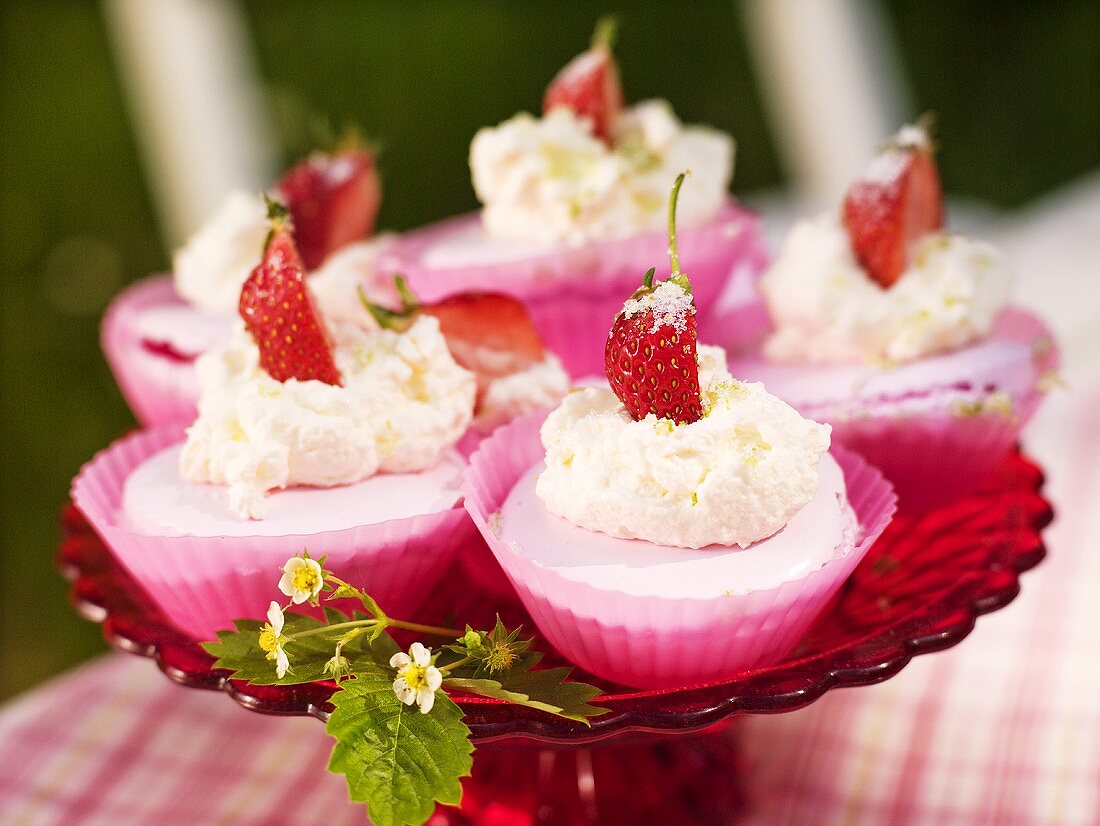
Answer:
[(333, 199), (279, 312), (651, 355), (589, 84), (898, 201)]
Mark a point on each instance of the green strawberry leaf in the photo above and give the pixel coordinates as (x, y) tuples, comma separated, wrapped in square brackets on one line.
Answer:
[(239, 651), (547, 689), (396, 760)]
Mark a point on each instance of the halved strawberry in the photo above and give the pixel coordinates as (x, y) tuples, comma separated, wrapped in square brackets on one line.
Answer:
[(333, 200), (651, 357), (589, 84), (279, 313), (490, 334), (896, 202)]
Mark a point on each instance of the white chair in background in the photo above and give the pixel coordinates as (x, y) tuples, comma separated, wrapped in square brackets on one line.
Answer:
[(196, 103)]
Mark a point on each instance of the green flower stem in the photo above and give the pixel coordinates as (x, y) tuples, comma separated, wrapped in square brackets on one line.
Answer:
[(324, 629), (434, 630), (447, 669), (388, 622)]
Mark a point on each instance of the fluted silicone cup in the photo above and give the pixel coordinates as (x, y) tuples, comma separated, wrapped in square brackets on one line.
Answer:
[(573, 294), (652, 641), (158, 390), (203, 583), (932, 449)]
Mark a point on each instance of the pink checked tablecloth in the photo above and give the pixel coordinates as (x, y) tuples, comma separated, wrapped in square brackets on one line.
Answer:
[(1002, 729)]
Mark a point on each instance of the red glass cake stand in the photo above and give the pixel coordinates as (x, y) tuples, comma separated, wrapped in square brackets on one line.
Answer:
[(920, 589)]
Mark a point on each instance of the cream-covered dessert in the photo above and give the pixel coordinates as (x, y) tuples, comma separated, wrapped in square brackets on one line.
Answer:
[(900, 334), (828, 310), (735, 476), (884, 283), (573, 201), (550, 180), (682, 526), (404, 401), (156, 330)]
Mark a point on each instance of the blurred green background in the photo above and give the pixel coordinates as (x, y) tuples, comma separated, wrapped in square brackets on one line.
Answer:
[(1016, 86)]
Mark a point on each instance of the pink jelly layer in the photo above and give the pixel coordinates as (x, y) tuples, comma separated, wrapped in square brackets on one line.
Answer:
[(652, 641), (202, 583), (573, 294), (907, 421), (158, 388)]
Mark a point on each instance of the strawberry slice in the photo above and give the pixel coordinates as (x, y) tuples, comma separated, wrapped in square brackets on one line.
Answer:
[(333, 200), (589, 84), (651, 357), (896, 202), (279, 313), (490, 334)]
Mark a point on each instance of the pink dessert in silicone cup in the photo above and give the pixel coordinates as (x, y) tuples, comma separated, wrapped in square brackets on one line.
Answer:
[(203, 581), (156, 329), (333, 436), (900, 335), (594, 600), (573, 209), (677, 527)]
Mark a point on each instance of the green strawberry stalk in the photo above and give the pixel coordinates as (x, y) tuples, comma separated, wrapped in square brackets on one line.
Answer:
[(651, 355)]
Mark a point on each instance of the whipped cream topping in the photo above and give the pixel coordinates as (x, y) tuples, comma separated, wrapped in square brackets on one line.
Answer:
[(827, 310), (516, 394), (734, 477), (211, 267), (550, 180), (403, 403)]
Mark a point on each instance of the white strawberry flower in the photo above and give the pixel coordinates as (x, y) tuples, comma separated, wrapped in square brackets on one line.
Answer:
[(417, 679), (302, 580), (272, 639)]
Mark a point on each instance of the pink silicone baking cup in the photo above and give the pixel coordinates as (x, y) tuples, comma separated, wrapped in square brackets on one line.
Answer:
[(157, 390), (936, 455), (202, 584), (653, 642), (573, 295)]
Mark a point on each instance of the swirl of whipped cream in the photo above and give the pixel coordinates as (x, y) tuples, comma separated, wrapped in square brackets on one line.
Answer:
[(733, 477), (549, 180), (827, 310), (211, 267), (403, 403)]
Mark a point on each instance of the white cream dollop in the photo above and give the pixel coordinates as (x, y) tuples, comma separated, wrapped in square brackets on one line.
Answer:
[(508, 397), (403, 403), (550, 180), (211, 267), (827, 310), (734, 477)]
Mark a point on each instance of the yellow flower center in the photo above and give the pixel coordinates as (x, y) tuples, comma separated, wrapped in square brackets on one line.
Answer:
[(305, 579), (269, 640), (415, 676)]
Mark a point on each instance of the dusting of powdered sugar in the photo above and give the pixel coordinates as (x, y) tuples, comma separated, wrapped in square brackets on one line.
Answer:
[(669, 304), (888, 165)]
